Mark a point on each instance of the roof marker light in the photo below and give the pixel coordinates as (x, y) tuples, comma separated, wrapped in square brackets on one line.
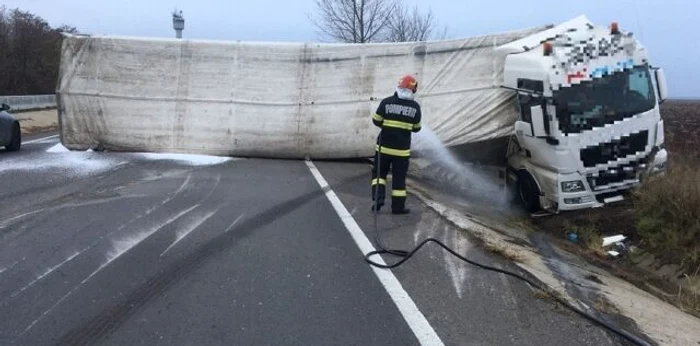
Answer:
[(547, 47), (614, 28)]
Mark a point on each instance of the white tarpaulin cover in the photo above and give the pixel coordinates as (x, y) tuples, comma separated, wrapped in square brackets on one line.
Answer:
[(287, 100)]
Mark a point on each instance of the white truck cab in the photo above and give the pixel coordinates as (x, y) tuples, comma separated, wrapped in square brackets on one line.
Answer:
[(589, 125)]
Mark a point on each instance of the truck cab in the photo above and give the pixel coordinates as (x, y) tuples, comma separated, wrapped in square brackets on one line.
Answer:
[(589, 124)]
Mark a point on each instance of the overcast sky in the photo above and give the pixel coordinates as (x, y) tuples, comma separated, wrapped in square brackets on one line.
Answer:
[(666, 27)]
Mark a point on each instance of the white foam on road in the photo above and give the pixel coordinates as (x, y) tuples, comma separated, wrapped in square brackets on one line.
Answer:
[(412, 315), (191, 226), (191, 159), (73, 163), (119, 247), (4, 269), (58, 148), (11, 220), (47, 272), (456, 268), (62, 161), (80, 163)]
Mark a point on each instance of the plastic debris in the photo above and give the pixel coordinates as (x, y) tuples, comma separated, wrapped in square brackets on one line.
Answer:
[(607, 241), (572, 236)]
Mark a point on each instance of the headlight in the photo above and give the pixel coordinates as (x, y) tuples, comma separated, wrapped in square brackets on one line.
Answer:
[(573, 186)]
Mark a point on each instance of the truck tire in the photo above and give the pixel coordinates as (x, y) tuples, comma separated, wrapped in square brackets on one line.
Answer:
[(16, 141), (528, 192)]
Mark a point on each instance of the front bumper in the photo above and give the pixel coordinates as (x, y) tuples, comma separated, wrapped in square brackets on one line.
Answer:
[(597, 196)]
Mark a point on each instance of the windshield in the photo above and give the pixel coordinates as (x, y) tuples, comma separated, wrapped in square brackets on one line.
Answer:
[(604, 100)]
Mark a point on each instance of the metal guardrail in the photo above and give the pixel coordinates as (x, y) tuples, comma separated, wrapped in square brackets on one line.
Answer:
[(26, 102)]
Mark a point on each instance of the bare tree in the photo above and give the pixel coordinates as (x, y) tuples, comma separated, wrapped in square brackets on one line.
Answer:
[(354, 21), (364, 21), (408, 25)]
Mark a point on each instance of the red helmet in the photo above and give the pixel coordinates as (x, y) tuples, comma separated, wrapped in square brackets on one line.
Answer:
[(408, 82)]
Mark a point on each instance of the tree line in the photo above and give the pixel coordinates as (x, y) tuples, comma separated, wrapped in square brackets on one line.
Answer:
[(31, 53)]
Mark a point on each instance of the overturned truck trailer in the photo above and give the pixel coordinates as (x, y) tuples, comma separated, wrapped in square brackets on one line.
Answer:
[(571, 111), (277, 100)]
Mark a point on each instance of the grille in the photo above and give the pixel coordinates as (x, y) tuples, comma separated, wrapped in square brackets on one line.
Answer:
[(629, 171), (619, 148)]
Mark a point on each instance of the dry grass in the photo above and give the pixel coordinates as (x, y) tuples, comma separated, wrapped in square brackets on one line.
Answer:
[(668, 214), (38, 121), (505, 252), (601, 304), (589, 237), (689, 296)]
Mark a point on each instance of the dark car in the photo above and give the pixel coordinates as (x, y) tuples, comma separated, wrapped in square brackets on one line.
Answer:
[(10, 133)]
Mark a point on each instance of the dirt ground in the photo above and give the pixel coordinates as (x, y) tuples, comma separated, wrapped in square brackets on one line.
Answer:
[(682, 125), (37, 121), (682, 134)]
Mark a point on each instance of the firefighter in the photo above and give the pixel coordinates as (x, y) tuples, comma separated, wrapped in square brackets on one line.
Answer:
[(397, 116)]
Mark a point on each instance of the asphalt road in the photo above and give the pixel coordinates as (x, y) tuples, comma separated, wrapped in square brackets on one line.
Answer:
[(115, 249)]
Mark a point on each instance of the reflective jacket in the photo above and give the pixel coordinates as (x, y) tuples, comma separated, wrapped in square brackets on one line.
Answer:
[(398, 118)]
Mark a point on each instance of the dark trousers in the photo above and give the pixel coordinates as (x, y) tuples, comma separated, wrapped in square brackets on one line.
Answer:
[(399, 167)]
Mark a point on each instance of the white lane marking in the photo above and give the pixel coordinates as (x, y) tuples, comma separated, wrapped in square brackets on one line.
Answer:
[(194, 224), (416, 320), (119, 248), (47, 272), (40, 139)]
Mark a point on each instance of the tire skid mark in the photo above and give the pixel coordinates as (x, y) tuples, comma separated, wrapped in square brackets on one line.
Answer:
[(41, 190), (91, 245), (111, 318), (119, 248), (101, 180)]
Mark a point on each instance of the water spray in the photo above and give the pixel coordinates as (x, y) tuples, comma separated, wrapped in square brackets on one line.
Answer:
[(432, 143)]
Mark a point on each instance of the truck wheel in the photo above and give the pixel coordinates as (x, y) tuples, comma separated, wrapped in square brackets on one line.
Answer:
[(528, 192), (16, 141)]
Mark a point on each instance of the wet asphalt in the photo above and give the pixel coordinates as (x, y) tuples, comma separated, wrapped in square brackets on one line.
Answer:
[(115, 249)]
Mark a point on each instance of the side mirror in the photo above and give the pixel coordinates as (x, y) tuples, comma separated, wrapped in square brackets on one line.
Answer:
[(5, 107), (538, 129), (661, 84)]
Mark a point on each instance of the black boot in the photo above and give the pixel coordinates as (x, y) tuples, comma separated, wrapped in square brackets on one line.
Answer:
[(377, 206), (401, 211)]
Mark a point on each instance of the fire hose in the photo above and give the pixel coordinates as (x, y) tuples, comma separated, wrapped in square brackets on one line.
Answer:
[(405, 255)]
